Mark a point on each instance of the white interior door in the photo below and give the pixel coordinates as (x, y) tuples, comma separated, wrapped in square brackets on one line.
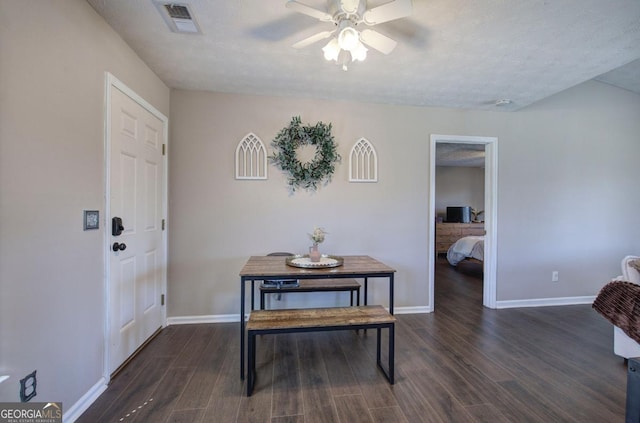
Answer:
[(137, 260)]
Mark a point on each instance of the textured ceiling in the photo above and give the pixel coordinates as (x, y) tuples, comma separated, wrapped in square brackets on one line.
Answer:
[(460, 154), (464, 54)]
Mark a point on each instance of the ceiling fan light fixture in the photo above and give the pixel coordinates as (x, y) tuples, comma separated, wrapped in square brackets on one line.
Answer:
[(331, 50), (359, 53), (348, 38)]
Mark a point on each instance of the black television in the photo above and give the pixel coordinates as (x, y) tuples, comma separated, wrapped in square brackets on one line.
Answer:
[(459, 214)]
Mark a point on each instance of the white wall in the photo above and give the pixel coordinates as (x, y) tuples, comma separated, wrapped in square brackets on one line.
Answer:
[(566, 175), (459, 186), (216, 222), (52, 77)]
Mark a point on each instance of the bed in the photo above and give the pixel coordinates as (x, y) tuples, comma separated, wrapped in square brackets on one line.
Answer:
[(467, 248)]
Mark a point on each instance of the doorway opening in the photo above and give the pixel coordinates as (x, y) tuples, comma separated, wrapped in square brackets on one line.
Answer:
[(490, 147)]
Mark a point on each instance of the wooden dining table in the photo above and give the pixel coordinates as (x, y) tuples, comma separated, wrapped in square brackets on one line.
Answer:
[(267, 268)]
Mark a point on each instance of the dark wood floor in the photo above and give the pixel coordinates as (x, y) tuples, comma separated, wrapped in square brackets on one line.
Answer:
[(463, 363)]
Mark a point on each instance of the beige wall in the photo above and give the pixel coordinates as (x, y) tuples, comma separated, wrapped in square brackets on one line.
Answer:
[(217, 222), (568, 168), (459, 186), (566, 171), (54, 55)]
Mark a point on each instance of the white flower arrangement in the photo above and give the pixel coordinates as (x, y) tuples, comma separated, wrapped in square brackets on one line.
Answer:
[(318, 235)]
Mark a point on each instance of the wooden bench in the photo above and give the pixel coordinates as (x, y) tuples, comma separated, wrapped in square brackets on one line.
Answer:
[(262, 322), (313, 285)]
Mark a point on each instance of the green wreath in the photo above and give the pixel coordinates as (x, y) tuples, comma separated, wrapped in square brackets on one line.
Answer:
[(305, 175)]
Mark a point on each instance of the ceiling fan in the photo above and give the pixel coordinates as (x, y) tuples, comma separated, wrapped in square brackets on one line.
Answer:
[(347, 42)]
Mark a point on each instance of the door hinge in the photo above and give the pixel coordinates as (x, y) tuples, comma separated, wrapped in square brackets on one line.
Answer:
[(164, 149), (162, 299), (163, 225)]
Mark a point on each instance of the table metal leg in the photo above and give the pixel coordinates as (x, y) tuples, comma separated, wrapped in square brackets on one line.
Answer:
[(366, 290), (253, 294), (391, 294), (242, 282)]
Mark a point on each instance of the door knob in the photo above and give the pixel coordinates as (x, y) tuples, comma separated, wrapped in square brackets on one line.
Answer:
[(119, 246)]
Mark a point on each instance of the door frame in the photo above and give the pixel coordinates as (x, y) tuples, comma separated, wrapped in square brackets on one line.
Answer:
[(111, 83), (489, 296)]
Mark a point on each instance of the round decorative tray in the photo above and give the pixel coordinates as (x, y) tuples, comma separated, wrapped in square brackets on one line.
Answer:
[(305, 262)]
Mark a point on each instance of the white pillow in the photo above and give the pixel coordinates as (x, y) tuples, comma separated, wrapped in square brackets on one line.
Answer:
[(628, 272)]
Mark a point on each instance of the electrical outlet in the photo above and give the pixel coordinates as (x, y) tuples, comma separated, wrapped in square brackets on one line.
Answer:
[(554, 276), (28, 387)]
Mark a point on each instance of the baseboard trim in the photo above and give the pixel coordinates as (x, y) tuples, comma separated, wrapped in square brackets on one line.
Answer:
[(545, 302), (76, 410), (230, 318), (212, 318), (412, 310)]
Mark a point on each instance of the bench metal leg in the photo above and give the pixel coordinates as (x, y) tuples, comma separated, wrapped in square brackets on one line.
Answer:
[(251, 363), (262, 300), (391, 370), (392, 349), (389, 373), (378, 343)]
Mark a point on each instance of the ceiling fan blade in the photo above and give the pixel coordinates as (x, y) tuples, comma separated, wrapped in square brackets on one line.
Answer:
[(313, 39), (309, 11), (387, 12), (375, 40)]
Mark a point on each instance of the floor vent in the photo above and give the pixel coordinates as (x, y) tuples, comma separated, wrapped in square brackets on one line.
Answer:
[(178, 17)]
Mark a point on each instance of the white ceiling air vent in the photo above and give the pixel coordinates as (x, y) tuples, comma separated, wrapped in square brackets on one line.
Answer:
[(179, 17)]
